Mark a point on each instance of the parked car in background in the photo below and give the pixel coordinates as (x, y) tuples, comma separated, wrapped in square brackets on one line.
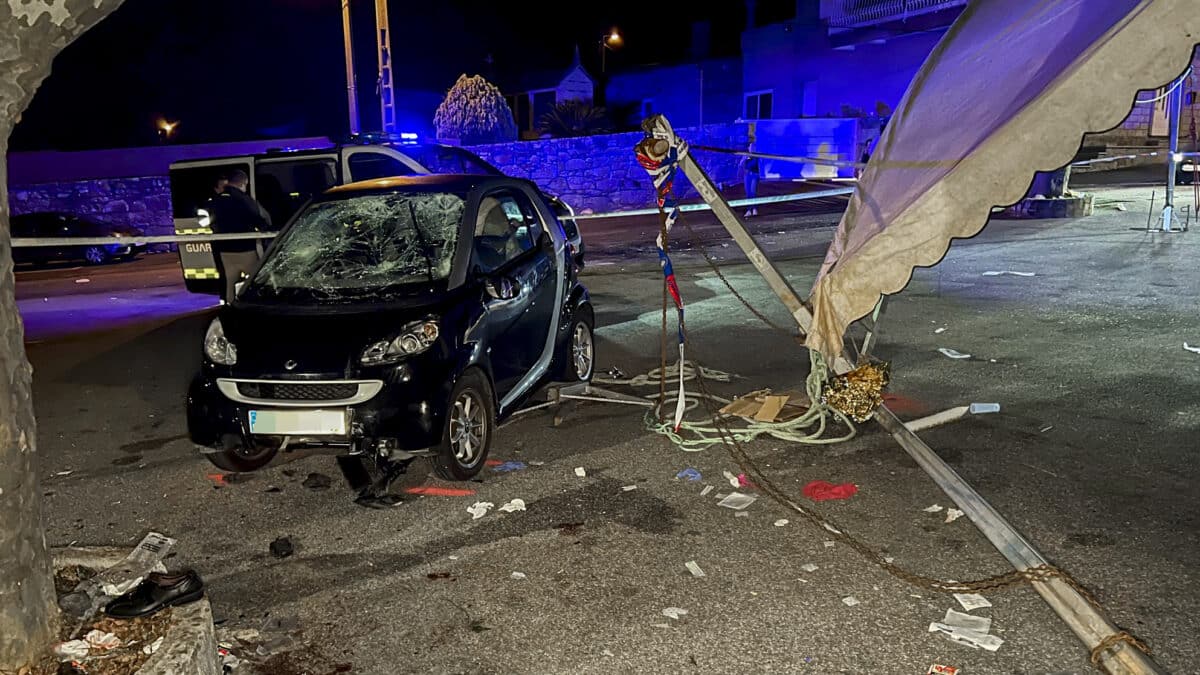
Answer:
[(395, 318), (48, 225)]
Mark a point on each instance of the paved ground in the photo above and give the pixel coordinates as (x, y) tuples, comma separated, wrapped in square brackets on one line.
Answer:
[(1092, 458)]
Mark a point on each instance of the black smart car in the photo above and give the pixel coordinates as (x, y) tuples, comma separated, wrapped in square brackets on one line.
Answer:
[(392, 318)]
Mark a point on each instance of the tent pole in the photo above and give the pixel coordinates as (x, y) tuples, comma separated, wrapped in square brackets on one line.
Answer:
[(1086, 621), (1174, 113)]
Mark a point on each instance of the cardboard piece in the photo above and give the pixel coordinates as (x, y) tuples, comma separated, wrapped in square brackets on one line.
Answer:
[(765, 406)]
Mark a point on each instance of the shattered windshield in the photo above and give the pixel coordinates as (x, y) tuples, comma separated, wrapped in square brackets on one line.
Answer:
[(365, 246)]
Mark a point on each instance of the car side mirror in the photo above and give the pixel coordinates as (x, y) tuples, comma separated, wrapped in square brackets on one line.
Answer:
[(502, 288)]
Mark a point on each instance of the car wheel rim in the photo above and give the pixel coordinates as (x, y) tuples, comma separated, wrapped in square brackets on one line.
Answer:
[(468, 431), (94, 255), (581, 351)]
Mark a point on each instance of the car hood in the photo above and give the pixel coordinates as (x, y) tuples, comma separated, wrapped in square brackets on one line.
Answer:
[(318, 345)]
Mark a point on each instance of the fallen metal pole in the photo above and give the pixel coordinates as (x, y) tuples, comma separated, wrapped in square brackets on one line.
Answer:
[(1086, 621)]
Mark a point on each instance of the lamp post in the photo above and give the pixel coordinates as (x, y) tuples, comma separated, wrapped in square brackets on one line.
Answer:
[(611, 41)]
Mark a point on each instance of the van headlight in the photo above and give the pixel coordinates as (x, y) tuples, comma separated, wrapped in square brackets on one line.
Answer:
[(414, 339), (217, 348)]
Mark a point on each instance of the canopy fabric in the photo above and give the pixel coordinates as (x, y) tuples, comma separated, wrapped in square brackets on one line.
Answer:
[(1010, 90)]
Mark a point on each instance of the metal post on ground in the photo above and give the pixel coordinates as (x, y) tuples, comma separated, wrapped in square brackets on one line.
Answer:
[(351, 80), (1168, 219), (1087, 621)]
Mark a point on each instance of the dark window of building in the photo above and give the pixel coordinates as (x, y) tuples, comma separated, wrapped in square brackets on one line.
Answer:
[(758, 105)]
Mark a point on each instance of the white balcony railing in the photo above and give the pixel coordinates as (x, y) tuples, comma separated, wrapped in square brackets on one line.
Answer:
[(859, 13)]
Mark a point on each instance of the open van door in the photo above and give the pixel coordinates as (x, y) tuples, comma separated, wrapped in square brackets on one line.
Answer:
[(193, 183)]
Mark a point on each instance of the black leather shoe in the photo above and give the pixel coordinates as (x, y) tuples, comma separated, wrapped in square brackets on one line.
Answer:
[(156, 592)]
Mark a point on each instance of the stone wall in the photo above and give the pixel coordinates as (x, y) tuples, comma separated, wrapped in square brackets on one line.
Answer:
[(141, 202), (597, 174)]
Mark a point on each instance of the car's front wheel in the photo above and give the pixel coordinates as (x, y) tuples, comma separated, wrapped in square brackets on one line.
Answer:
[(95, 255), (238, 458), (579, 360), (467, 434)]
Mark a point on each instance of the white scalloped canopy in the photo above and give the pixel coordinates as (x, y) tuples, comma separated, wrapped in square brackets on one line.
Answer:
[(1010, 90)]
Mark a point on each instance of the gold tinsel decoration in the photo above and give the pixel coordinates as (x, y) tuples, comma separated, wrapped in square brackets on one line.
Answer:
[(859, 392)]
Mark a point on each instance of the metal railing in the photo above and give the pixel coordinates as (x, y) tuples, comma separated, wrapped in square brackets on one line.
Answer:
[(858, 13)]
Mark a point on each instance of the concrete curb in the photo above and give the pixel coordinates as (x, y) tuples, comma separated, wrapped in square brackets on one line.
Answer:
[(189, 647)]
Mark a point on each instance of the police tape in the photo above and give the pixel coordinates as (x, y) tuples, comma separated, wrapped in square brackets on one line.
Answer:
[(30, 242)]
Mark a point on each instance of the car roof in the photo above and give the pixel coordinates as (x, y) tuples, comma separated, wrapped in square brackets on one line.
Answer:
[(437, 182), (289, 153)]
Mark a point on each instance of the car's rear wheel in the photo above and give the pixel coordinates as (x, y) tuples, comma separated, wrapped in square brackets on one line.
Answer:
[(238, 458), (95, 255), (579, 359), (467, 435)]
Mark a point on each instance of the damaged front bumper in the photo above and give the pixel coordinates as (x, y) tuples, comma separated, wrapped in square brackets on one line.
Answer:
[(376, 416)]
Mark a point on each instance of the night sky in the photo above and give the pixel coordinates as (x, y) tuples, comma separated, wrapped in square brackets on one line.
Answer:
[(245, 69)]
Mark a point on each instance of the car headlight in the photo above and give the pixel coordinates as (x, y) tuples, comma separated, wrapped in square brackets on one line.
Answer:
[(217, 348), (414, 339)]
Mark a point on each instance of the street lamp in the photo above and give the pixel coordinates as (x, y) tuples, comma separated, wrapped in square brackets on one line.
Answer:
[(611, 41), (166, 129)]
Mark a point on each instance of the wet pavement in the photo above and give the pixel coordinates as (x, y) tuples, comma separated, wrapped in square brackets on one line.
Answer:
[(1092, 457)]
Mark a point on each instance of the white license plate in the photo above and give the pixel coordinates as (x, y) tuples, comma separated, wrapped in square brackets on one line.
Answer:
[(292, 422)]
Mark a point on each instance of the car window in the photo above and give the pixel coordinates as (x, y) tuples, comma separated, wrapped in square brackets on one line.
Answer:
[(283, 187), (193, 186), (362, 247), (505, 228), (375, 165), (449, 159)]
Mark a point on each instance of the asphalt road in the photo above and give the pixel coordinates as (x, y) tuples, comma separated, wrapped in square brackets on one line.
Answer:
[(1092, 458)]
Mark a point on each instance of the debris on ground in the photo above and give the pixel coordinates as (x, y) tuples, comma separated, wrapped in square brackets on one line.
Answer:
[(932, 509), (939, 331), (858, 393), (317, 481), (850, 601), (517, 575), (694, 568), (733, 480), (984, 408), (72, 650), (1045, 429), (737, 501), (781, 522), (828, 544), (514, 505), (707, 489), (437, 576), (479, 509), (674, 612), (743, 481), (689, 474), (152, 647), (229, 661), (628, 488), (282, 547), (1190, 348), (581, 472), (764, 406), (68, 473), (971, 601), (83, 280), (509, 466), (809, 567), (434, 491), (965, 636), (953, 353), (820, 491), (1000, 273), (956, 619), (938, 669), (102, 640), (953, 515), (536, 463)]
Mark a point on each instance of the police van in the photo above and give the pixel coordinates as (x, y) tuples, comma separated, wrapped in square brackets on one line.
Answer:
[(282, 181)]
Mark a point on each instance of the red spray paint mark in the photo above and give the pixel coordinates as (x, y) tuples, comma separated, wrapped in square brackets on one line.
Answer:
[(493, 462), (218, 479), (903, 405)]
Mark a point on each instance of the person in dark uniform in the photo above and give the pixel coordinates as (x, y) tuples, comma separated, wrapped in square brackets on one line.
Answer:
[(235, 212)]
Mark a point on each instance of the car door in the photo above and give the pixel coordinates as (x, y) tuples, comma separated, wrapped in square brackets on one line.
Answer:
[(510, 256)]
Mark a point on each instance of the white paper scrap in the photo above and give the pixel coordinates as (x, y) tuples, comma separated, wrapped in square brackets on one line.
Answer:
[(1191, 348), (850, 601), (579, 471), (694, 568), (674, 612), (707, 489), (628, 488), (932, 509), (953, 353), (1000, 273), (152, 647), (809, 567), (956, 619), (970, 638), (971, 601), (731, 478), (781, 522), (479, 509), (737, 501), (953, 515), (514, 505), (72, 650), (517, 575)]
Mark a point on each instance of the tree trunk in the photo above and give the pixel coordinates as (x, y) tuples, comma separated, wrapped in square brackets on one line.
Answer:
[(32, 32)]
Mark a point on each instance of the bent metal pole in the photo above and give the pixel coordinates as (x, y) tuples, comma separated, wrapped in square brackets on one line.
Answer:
[(1086, 621)]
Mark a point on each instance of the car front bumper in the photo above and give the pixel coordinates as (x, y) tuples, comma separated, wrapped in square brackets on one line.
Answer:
[(380, 416)]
